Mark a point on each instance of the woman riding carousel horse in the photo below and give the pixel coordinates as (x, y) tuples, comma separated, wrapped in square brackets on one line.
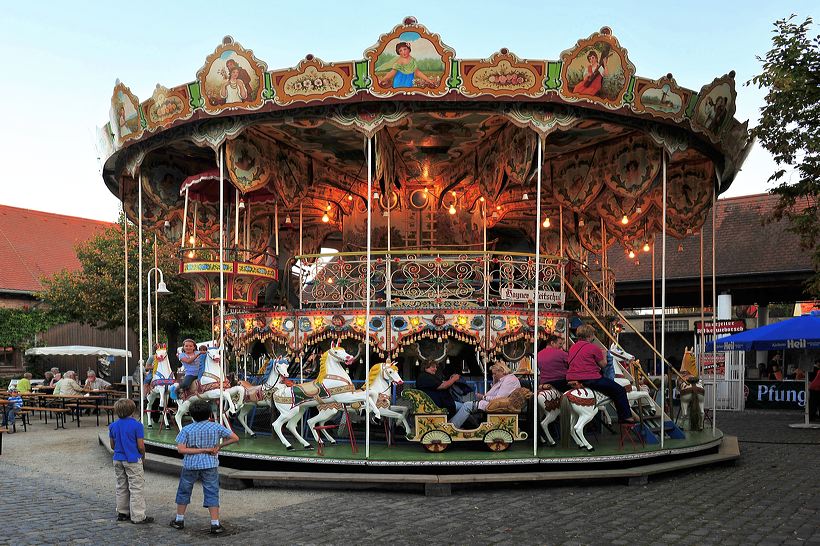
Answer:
[(586, 361)]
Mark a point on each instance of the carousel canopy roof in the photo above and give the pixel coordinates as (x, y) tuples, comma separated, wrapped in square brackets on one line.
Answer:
[(441, 124)]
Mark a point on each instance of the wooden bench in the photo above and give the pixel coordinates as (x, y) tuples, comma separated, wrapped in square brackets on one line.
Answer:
[(59, 414)]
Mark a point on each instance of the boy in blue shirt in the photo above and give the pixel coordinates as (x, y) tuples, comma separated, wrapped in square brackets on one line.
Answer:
[(15, 402), (199, 442), (125, 436)]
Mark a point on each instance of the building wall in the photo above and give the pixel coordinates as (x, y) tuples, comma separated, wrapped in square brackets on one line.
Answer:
[(75, 334)]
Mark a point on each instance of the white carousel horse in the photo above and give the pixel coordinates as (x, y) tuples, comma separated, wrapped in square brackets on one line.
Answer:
[(578, 407), (634, 392), (259, 395), (549, 402), (333, 386), (691, 392), (382, 377), (161, 380), (208, 389)]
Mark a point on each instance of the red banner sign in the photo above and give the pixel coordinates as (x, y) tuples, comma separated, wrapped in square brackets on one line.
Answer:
[(721, 327)]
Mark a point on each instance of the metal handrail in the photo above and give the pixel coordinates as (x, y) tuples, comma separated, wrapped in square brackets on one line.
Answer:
[(624, 319)]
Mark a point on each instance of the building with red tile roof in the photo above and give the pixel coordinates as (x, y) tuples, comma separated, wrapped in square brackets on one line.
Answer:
[(35, 244), (757, 261)]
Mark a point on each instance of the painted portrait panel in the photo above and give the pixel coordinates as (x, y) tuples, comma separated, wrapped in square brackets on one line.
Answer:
[(714, 108), (124, 114), (409, 61), (231, 78), (596, 69)]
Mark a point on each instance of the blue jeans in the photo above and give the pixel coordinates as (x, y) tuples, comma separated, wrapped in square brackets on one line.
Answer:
[(210, 486), (9, 416), (614, 391), (186, 382), (464, 411)]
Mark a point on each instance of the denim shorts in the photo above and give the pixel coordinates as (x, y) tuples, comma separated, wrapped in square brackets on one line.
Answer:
[(210, 486)]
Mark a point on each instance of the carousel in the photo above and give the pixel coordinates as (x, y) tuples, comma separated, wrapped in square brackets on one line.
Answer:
[(350, 222)]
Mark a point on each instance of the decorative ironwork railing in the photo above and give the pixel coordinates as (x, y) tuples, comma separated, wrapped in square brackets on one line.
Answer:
[(424, 279)]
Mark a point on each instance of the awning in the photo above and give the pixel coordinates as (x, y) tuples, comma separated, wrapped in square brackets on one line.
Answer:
[(795, 333), (77, 350)]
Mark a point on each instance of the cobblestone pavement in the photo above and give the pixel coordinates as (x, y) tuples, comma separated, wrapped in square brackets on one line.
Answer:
[(770, 496)]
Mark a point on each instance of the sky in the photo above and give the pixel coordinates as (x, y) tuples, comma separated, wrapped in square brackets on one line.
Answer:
[(62, 59)]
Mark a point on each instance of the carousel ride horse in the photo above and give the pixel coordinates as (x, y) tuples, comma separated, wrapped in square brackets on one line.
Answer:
[(585, 403), (333, 387), (691, 392), (260, 395), (381, 378), (162, 378), (208, 388)]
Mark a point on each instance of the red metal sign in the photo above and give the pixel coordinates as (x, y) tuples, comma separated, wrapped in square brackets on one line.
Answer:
[(721, 327)]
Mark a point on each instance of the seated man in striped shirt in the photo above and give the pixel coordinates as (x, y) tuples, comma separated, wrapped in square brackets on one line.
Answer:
[(15, 402)]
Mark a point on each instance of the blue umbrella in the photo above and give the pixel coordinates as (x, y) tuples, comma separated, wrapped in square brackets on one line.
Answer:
[(796, 333)]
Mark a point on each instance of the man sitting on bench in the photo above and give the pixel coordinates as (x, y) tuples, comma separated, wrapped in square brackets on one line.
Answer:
[(504, 383)]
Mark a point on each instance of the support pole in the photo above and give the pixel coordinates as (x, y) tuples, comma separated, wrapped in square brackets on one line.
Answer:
[(663, 304), (184, 222), (125, 244), (536, 323), (139, 272), (714, 309), (221, 282), (367, 298)]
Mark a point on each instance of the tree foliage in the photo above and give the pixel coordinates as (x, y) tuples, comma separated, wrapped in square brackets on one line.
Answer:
[(94, 294), (790, 130)]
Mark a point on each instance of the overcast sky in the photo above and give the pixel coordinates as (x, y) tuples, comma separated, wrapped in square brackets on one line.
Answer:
[(62, 59)]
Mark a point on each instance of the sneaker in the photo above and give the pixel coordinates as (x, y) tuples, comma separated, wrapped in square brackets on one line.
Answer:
[(177, 524), (123, 517), (217, 529), (149, 519)]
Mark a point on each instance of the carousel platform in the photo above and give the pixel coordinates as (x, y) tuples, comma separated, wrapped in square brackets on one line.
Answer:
[(262, 461)]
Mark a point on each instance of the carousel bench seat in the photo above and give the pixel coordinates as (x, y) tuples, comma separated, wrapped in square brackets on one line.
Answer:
[(422, 403)]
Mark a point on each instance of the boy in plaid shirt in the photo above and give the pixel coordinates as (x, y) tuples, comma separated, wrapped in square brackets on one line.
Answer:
[(199, 442)]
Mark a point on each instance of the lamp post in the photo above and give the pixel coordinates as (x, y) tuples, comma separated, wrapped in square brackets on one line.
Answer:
[(160, 289)]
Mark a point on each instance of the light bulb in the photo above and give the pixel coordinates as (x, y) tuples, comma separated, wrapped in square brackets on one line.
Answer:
[(191, 239), (625, 220), (327, 208), (631, 253), (525, 197), (241, 205), (452, 209), (498, 207), (191, 254), (454, 193), (325, 218), (426, 190), (546, 222), (349, 197), (481, 198), (646, 247), (287, 219), (375, 195)]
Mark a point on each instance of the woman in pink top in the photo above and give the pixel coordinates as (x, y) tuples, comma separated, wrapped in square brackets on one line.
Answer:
[(552, 365), (586, 360), (503, 384)]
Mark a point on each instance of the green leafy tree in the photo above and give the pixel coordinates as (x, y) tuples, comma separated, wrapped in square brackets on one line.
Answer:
[(790, 130), (94, 294)]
